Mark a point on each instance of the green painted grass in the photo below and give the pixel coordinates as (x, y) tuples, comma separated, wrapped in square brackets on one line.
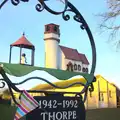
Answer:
[(7, 113)]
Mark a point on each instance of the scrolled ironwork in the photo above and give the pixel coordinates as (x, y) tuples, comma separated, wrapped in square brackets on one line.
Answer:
[(13, 86), (59, 87), (65, 16), (39, 7), (52, 11), (50, 83), (15, 2), (68, 7), (12, 94), (2, 83), (2, 4)]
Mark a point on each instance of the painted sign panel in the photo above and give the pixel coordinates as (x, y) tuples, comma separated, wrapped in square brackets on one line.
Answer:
[(58, 108)]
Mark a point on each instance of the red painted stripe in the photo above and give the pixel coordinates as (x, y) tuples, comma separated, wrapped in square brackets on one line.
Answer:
[(21, 107), (25, 106)]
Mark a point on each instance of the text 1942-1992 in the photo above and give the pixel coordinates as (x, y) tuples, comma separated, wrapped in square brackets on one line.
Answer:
[(54, 104)]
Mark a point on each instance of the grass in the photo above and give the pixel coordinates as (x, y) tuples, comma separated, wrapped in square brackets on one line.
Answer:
[(7, 113), (103, 114)]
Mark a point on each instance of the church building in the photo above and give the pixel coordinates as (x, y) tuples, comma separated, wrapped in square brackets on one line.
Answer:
[(62, 57)]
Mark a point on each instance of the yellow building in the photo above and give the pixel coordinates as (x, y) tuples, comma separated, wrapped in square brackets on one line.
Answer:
[(103, 96)]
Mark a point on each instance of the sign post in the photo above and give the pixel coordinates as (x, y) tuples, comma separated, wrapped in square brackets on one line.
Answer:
[(58, 108)]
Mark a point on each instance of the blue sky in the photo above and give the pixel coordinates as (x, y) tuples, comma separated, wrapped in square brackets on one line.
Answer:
[(24, 18)]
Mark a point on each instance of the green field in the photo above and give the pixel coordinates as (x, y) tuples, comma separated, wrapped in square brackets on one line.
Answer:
[(7, 112), (104, 114)]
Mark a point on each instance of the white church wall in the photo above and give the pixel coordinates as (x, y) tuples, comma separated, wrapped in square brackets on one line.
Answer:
[(84, 65), (74, 62), (60, 59), (51, 35), (63, 62), (51, 53)]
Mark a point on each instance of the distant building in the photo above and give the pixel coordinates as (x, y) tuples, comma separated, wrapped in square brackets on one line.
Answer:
[(61, 57), (103, 96)]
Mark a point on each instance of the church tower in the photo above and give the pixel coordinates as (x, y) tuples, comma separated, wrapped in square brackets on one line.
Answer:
[(51, 38)]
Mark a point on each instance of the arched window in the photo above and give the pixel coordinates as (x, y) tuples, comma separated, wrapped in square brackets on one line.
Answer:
[(70, 66), (55, 28), (83, 69), (79, 67), (75, 66), (67, 67), (47, 28), (86, 70)]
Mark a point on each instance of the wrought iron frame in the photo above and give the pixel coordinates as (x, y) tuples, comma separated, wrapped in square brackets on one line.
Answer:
[(69, 7)]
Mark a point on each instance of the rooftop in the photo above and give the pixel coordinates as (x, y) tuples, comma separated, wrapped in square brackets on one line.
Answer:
[(23, 42), (73, 54)]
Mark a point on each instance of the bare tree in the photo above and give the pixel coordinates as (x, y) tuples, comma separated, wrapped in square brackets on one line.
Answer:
[(111, 21)]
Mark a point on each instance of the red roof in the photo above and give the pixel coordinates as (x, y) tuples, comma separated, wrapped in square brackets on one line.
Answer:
[(73, 54), (83, 58), (23, 42)]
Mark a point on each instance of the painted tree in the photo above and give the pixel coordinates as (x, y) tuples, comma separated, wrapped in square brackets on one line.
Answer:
[(111, 21)]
